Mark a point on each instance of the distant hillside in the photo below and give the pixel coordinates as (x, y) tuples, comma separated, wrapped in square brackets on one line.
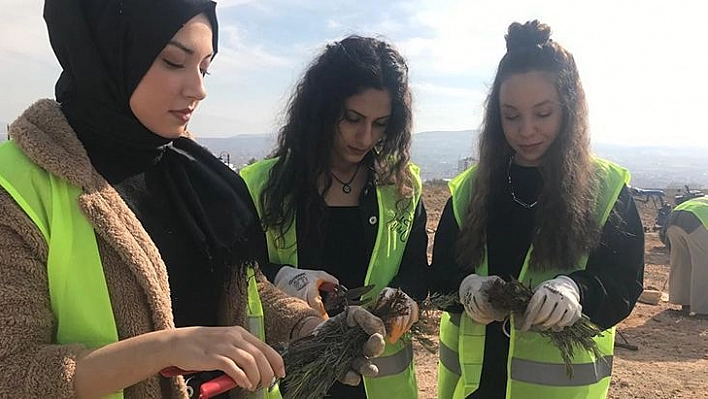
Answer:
[(437, 153), (440, 153), (241, 148), (660, 167)]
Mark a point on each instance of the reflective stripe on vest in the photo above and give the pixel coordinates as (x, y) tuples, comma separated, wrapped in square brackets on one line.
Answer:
[(528, 350), (77, 286), (396, 363), (257, 328), (448, 358), (552, 375), (396, 378), (697, 206), (255, 309)]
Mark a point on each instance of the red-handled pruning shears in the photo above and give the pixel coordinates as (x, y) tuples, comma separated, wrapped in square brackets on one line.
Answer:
[(208, 389), (336, 297)]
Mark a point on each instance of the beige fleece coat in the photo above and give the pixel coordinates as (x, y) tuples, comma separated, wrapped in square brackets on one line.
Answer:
[(31, 364)]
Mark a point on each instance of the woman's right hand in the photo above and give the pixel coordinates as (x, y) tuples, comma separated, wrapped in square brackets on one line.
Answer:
[(474, 298), (304, 284), (250, 362)]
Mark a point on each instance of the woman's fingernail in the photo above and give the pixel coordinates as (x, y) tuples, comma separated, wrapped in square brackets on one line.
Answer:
[(273, 384)]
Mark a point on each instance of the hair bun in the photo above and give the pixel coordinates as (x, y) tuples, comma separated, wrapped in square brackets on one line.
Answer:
[(532, 34)]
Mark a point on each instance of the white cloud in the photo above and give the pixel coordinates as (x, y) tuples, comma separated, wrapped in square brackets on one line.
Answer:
[(639, 60), (237, 55), (439, 107), (23, 28), (28, 69), (233, 3), (445, 91), (334, 24)]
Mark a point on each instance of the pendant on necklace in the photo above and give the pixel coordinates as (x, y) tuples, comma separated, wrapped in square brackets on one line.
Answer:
[(346, 185)]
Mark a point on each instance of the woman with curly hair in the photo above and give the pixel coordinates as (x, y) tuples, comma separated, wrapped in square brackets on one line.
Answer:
[(339, 198), (540, 208)]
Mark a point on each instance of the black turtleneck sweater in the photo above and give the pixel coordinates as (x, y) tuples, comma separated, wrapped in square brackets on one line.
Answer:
[(609, 285)]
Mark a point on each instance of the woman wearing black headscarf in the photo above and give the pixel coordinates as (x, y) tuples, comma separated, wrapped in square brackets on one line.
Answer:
[(122, 241)]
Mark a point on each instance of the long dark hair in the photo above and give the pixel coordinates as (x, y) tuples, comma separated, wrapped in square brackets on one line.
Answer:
[(343, 69), (565, 223)]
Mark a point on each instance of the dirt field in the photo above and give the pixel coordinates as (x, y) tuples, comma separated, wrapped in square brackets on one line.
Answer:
[(672, 356)]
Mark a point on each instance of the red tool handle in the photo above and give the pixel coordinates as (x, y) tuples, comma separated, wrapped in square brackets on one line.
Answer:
[(216, 386), (209, 388), (173, 371), (327, 287)]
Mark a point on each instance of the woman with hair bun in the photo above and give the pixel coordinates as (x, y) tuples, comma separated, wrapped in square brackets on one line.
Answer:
[(539, 208)]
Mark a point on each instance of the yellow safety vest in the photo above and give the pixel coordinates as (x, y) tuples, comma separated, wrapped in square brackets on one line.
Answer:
[(77, 286), (535, 368), (697, 206), (78, 292), (396, 377)]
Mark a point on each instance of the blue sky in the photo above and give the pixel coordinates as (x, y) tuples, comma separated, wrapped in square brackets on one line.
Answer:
[(643, 63)]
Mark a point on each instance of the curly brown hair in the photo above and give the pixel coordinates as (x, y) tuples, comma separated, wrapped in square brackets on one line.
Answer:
[(345, 68), (565, 224)]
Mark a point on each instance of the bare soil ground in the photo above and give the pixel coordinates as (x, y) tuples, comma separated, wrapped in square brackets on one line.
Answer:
[(672, 356)]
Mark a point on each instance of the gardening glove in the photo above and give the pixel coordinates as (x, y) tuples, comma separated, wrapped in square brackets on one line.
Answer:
[(304, 284), (400, 324), (473, 297), (555, 304), (361, 366)]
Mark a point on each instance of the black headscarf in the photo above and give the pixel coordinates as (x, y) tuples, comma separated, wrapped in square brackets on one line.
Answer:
[(105, 47)]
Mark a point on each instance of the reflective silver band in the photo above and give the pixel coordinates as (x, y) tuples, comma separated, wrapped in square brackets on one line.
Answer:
[(554, 374), (449, 358), (455, 318), (396, 363), (254, 326)]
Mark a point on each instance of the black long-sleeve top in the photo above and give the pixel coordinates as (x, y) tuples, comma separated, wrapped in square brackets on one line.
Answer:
[(343, 248), (609, 285), (345, 244)]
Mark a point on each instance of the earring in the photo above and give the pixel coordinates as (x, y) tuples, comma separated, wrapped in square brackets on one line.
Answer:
[(378, 147)]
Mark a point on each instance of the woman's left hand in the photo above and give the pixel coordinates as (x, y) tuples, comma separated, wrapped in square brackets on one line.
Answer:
[(373, 347), (403, 323), (555, 305)]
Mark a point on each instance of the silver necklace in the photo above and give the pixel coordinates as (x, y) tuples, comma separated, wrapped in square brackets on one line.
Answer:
[(511, 188), (346, 186)]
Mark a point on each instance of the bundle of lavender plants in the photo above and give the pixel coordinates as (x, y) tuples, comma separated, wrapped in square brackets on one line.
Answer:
[(314, 362), (429, 322), (514, 297)]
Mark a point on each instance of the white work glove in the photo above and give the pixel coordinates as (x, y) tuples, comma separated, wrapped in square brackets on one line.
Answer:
[(373, 347), (401, 324), (304, 284), (473, 297), (555, 304)]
